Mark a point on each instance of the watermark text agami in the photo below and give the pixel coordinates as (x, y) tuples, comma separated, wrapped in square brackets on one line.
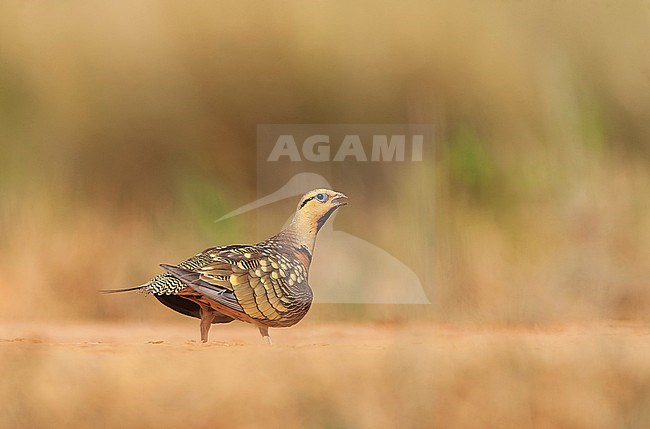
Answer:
[(375, 148), (293, 158)]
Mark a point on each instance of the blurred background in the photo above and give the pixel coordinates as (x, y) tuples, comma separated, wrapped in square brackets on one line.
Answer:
[(126, 129)]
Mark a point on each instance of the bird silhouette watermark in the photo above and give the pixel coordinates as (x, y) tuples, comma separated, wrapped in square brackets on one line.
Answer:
[(350, 270)]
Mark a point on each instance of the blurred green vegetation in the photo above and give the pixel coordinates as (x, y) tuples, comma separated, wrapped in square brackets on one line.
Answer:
[(127, 128)]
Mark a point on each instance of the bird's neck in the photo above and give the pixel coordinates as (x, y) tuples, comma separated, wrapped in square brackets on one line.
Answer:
[(302, 232)]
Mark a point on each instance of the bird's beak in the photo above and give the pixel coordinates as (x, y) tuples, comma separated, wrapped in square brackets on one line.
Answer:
[(339, 199)]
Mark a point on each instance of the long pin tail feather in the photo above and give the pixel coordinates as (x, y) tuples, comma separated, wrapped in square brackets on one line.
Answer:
[(128, 289)]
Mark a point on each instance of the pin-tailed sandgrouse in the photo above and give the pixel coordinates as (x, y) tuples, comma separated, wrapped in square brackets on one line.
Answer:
[(265, 284)]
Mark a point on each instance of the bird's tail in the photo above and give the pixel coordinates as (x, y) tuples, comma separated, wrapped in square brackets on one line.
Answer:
[(128, 289)]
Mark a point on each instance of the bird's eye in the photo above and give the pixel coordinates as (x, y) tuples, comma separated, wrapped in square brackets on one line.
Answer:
[(321, 197)]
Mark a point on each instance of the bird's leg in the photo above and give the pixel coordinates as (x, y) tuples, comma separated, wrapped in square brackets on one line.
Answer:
[(264, 330), (207, 316)]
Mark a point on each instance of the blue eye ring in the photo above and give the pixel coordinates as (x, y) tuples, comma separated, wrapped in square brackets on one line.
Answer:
[(321, 197)]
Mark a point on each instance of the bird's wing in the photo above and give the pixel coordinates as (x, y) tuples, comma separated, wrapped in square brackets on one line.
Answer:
[(193, 279), (245, 279)]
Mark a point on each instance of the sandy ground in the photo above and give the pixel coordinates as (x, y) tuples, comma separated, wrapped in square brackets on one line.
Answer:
[(325, 376)]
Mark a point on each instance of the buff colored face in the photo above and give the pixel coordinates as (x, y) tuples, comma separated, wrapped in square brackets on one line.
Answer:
[(319, 201), (319, 204)]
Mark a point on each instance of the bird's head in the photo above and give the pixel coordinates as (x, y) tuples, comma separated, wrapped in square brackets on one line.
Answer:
[(316, 206)]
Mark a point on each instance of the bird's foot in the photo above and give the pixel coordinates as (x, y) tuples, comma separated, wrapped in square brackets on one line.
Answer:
[(264, 330)]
